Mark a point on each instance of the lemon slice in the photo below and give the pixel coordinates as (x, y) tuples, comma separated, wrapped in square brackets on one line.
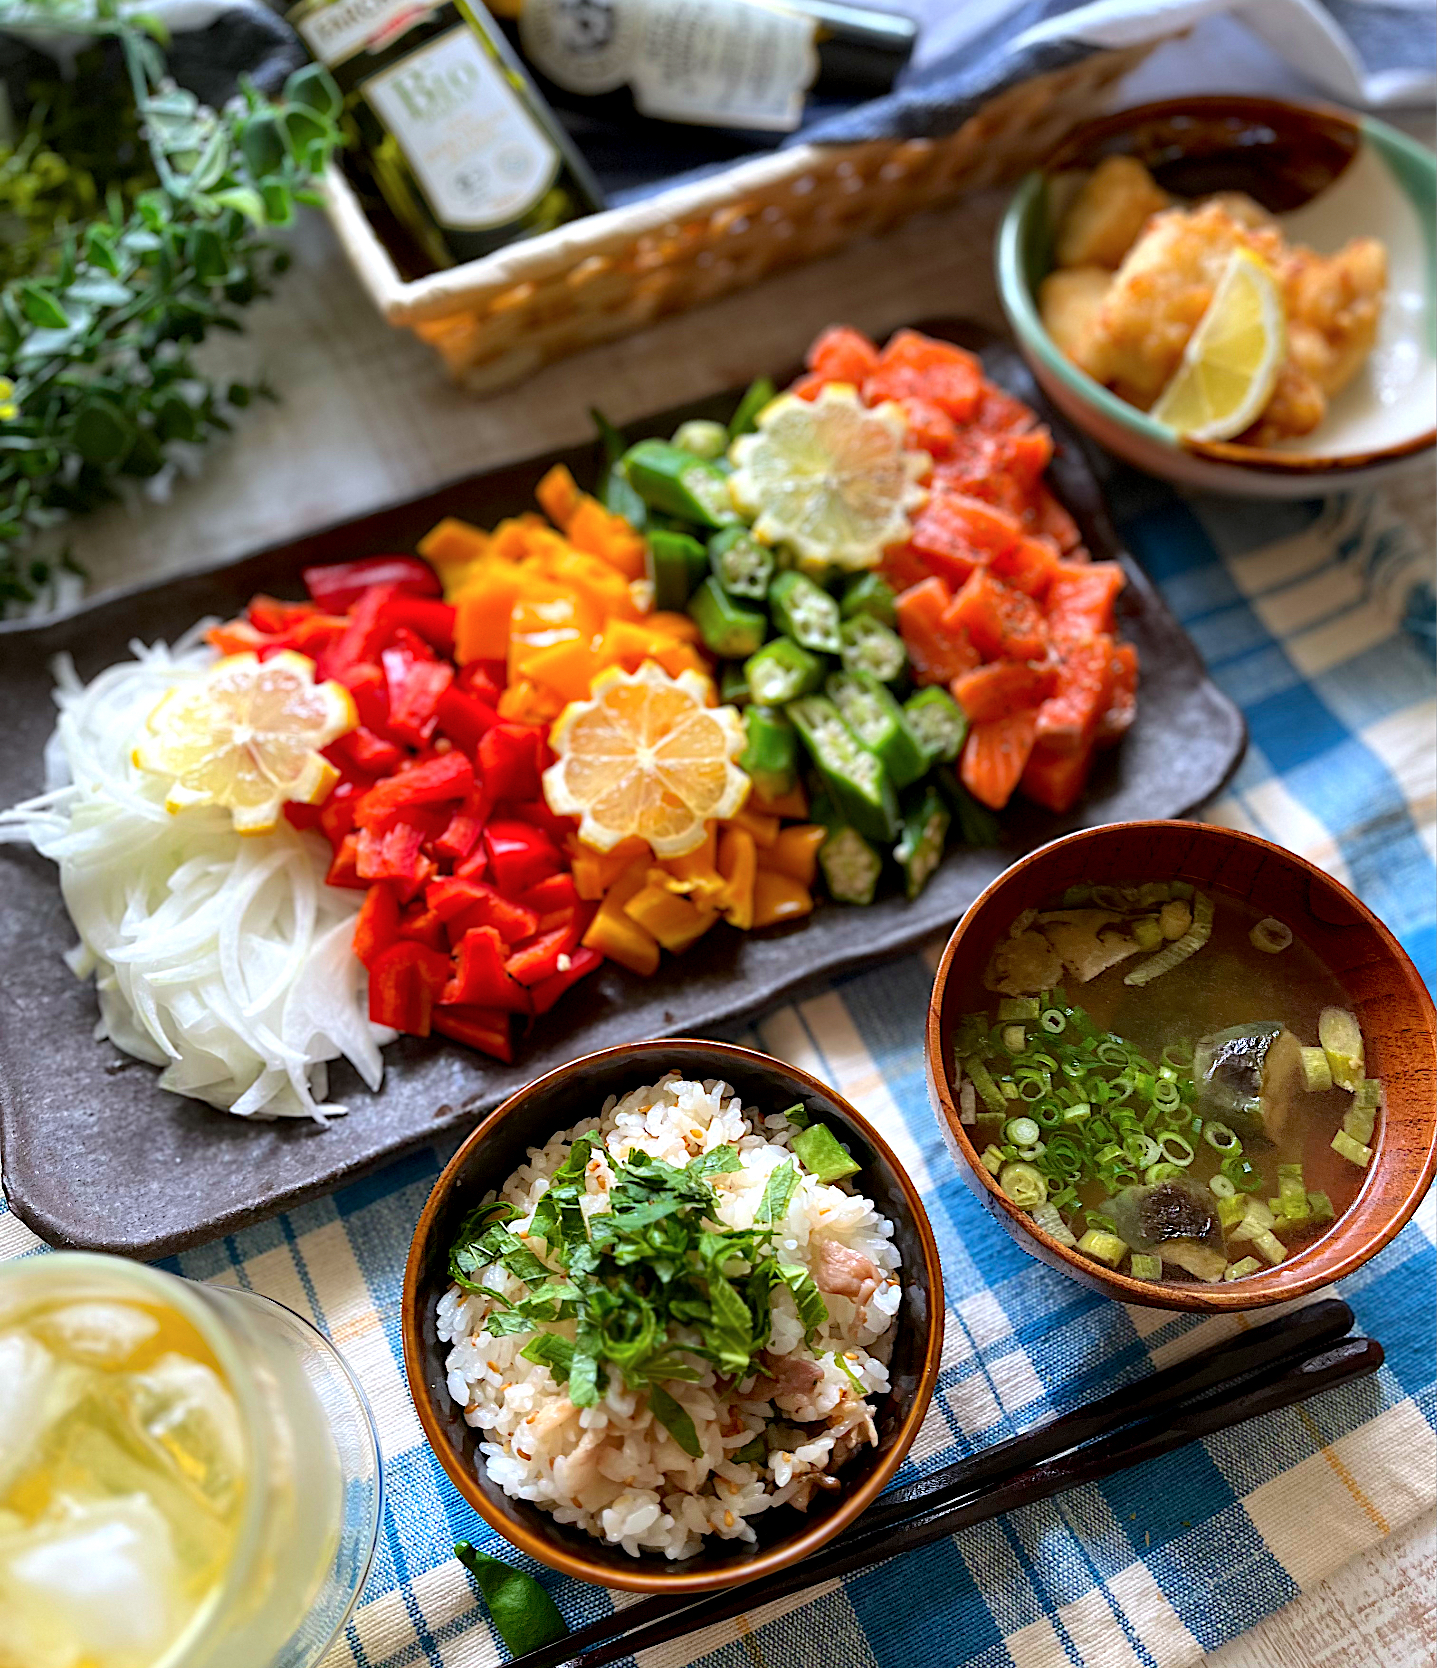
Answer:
[(645, 756), (1231, 362), (829, 478), (247, 737)]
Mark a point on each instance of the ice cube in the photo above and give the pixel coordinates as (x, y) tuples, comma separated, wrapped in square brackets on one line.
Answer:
[(93, 1582), (184, 1409), (36, 1391), (97, 1334)]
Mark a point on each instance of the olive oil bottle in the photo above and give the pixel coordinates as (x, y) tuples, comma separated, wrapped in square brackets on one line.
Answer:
[(449, 127)]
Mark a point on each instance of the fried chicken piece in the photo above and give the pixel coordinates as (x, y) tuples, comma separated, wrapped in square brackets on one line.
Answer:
[(1068, 302), (1159, 293), (1108, 214)]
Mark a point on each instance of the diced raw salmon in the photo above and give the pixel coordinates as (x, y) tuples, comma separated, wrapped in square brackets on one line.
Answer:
[(1082, 692), (1028, 566), (995, 756), (1123, 707), (912, 364), (1004, 624), (939, 653), (1000, 687), (1055, 780), (1080, 599), (1055, 521), (842, 354), (930, 428)]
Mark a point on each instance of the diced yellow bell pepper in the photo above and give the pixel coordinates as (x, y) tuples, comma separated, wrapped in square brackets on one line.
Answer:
[(793, 804), (482, 606), (606, 588), (778, 897), (763, 828), (669, 624), (795, 852), (696, 873), (673, 920), (738, 864), (616, 934), (511, 538), (451, 546), (544, 614), (595, 872), (602, 533), (529, 703), (567, 668), (559, 496)]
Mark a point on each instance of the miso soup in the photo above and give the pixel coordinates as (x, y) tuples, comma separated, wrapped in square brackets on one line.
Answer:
[(1165, 1078)]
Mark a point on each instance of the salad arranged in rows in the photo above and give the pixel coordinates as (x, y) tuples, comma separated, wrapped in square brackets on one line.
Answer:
[(808, 647)]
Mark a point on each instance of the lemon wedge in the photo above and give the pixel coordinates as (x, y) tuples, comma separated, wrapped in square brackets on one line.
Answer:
[(646, 756), (829, 478), (247, 736), (1230, 365)]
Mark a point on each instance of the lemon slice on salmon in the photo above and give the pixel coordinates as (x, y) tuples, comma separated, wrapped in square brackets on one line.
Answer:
[(1231, 362), (646, 756), (830, 478), (247, 736)]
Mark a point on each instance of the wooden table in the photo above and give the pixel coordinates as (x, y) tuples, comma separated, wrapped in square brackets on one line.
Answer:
[(365, 418)]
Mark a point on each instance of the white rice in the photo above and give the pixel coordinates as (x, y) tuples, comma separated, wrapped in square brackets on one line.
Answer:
[(612, 1469)]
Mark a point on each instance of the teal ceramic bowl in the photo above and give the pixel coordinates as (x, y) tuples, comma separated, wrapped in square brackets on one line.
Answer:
[(1328, 176)]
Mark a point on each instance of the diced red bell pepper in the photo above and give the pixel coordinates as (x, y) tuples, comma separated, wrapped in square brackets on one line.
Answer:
[(1055, 780), (344, 870), (473, 903), (841, 354), (314, 636), (447, 776), (938, 653), (1000, 687), (425, 927), (1082, 693), (480, 1028), (465, 717), (377, 925), (464, 828), (364, 637), (426, 617), (480, 976), (520, 856), (1003, 624), (404, 983), (367, 752), (395, 853), (537, 812), (415, 683), (236, 637), (336, 815), (509, 761), (371, 696), (556, 892), (273, 617), (339, 585), (484, 679), (303, 817), (547, 992), (538, 957)]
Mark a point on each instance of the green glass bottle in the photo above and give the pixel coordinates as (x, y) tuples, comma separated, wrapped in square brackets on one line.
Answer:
[(449, 128)]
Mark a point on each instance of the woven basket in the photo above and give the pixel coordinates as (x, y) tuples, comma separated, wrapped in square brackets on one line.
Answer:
[(498, 319)]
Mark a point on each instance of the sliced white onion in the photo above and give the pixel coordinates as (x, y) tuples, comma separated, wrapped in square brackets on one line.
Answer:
[(222, 957)]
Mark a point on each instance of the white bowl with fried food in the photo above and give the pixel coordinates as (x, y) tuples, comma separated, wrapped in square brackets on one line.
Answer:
[(1110, 259)]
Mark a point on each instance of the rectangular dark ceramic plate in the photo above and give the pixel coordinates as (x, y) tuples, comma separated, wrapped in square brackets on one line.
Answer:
[(96, 1156)]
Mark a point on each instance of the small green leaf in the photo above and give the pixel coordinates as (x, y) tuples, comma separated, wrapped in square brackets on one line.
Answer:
[(524, 1615), (244, 200), (42, 308), (314, 87), (675, 1420), (101, 432), (98, 289), (262, 144)]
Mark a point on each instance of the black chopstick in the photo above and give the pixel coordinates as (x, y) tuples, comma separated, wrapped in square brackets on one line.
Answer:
[(1232, 1363), (1325, 1369)]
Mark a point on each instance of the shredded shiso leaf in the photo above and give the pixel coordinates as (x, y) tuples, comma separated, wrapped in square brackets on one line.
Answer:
[(221, 957)]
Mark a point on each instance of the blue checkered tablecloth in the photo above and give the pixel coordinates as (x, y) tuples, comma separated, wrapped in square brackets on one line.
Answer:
[(1318, 620)]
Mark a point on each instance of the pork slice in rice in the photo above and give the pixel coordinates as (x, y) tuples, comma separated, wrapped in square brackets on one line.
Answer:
[(784, 1375), (843, 1272)]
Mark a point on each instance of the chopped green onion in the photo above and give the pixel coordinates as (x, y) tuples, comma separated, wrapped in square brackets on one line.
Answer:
[(1316, 1073), (1237, 1271), (1049, 1218), (988, 1091), (1145, 1267), (1181, 888), (1177, 952), (1353, 1151), (1147, 932), (1270, 935), (1320, 1207), (1024, 1184), (1176, 1149), (1222, 1138), (1053, 1021), (1017, 1007), (1341, 1039), (1271, 1247), (1022, 1132), (1220, 1187), (1103, 1247), (992, 1159), (1231, 1207), (1015, 1038), (1361, 1117)]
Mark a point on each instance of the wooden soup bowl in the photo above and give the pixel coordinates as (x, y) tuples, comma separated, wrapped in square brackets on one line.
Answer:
[(1383, 989), (558, 1101)]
